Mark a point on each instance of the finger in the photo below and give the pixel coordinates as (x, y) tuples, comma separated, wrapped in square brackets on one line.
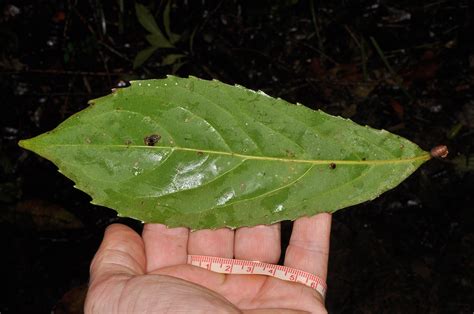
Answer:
[(121, 252), (164, 246), (218, 242), (308, 249), (259, 243)]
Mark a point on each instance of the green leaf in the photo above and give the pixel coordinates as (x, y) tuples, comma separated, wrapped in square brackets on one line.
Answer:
[(146, 19), (166, 22), (142, 56), (159, 41), (175, 67), (172, 58), (174, 38), (203, 154), (166, 17)]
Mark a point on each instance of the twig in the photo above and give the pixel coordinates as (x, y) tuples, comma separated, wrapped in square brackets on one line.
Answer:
[(316, 28), (426, 6), (98, 38), (392, 53), (114, 51), (338, 82), (278, 63), (382, 56), (64, 94), (292, 89), (389, 67), (320, 52), (64, 72), (363, 55), (106, 66), (201, 27), (84, 21)]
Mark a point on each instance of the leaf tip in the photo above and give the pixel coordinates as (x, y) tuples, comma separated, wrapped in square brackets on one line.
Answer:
[(25, 144)]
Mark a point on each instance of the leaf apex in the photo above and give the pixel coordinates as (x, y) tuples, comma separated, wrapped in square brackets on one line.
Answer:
[(26, 144)]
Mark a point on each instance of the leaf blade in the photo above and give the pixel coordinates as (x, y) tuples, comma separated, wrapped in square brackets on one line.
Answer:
[(227, 156), (174, 38), (146, 19), (143, 55), (158, 41)]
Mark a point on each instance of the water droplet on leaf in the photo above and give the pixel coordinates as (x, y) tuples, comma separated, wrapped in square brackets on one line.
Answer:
[(278, 208)]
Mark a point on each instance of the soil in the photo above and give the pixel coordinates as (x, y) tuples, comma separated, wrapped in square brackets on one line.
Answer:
[(404, 66)]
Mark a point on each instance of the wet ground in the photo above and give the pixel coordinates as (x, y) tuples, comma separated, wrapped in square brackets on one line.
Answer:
[(405, 66)]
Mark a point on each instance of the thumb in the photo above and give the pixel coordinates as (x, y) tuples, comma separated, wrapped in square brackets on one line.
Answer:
[(122, 253)]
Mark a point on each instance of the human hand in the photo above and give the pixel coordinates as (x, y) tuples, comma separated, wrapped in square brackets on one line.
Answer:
[(130, 273)]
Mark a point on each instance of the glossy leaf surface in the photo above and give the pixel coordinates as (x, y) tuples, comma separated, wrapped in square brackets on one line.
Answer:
[(203, 154)]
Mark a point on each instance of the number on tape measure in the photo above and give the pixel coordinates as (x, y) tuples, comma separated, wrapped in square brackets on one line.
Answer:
[(242, 267)]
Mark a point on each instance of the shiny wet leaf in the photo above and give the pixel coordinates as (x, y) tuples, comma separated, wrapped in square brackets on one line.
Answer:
[(203, 154)]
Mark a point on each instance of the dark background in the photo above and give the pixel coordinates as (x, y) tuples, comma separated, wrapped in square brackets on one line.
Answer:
[(405, 66)]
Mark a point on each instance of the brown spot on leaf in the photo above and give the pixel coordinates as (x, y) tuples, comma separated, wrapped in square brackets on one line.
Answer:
[(332, 166), (289, 153), (152, 139), (200, 153)]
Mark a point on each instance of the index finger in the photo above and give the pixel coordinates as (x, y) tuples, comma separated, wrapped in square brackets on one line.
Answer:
[(121, 252)]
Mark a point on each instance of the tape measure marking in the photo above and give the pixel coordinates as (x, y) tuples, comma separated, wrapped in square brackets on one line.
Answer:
[(243, 267)]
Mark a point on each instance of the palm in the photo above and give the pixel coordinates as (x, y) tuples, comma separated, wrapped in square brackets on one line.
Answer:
[(252, 291), (164, 251)]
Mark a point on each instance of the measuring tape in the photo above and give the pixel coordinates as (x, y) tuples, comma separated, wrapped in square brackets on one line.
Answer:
[(243, 267)]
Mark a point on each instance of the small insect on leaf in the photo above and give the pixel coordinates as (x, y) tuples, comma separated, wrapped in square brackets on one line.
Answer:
[(440, 151), (152, 139), (332, 166)]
